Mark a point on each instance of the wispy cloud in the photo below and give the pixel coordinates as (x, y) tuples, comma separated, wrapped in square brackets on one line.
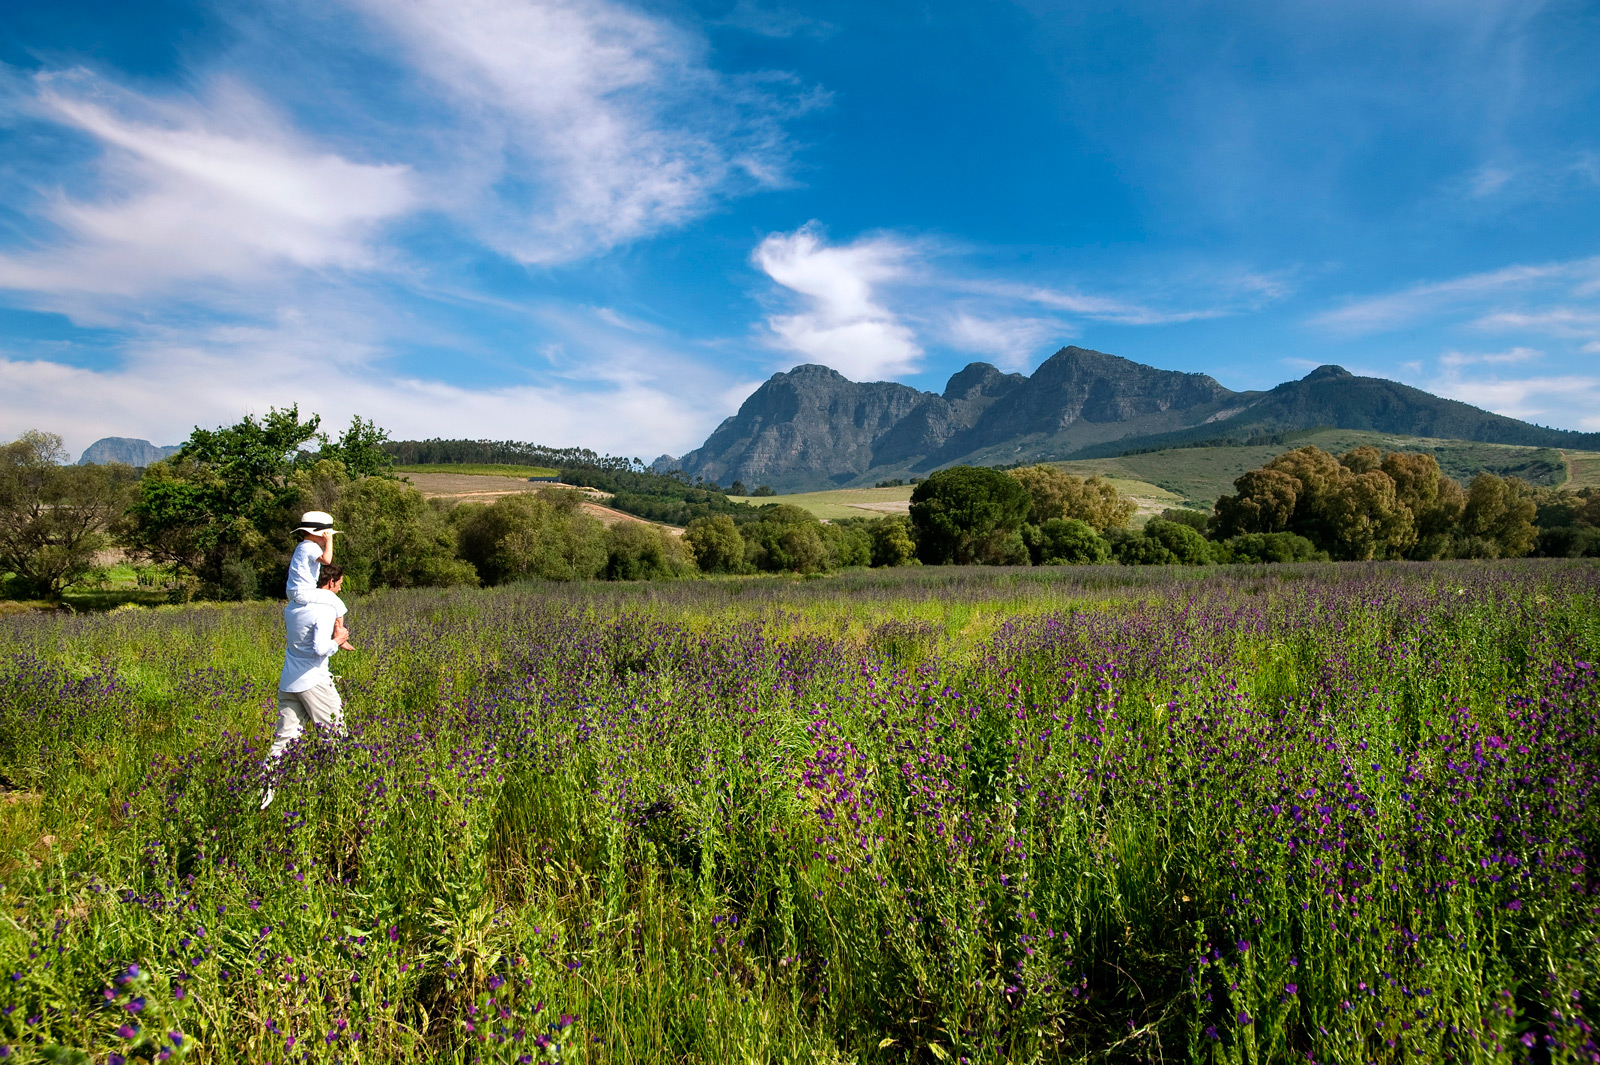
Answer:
[(1457, 359), (240, 251), (606, 124), (192, 189), (1488, 296), (1013, 342)]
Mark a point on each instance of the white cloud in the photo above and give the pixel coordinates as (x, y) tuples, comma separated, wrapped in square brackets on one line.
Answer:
[(845, 324), (630, 402), (191, 191), (1569, 400), (1012, 342), (603, 123)]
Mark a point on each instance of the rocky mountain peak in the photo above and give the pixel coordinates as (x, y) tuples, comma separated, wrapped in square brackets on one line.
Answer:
[(1328, 372)]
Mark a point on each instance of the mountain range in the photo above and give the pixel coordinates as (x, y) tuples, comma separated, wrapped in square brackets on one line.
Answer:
[(811, 428)]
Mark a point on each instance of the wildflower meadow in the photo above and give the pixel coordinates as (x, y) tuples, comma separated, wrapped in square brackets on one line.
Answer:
[(1322, 812)]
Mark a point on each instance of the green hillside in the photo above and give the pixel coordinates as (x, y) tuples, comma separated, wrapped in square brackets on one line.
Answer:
[(1200, 474)]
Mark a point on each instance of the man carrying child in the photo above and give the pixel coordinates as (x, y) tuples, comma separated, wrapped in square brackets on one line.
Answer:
[(314, 632)]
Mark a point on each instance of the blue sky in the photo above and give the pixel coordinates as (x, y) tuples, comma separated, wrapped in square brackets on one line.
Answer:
[(603, 223)]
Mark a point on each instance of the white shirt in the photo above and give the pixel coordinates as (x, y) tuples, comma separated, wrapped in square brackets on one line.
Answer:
[(308, 628), (305, 566)]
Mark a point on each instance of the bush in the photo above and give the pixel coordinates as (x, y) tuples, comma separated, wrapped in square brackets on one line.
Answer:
[(1272, 547), (394, 538), (1164, 543), (849, 543), (636, 551), (716, 544), (524, 536), (1054, 493), (892, 544), (1065, 542), (1198, 520)]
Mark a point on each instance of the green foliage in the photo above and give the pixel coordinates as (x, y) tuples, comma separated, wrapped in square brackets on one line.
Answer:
[(1164, 543), (716, 544), (502, 453), (848, 543), (892, 544), (1197, 520), (785, 540), (543, 536), (657, 497), (1271, 547), (1065, 542), (1367, 504), (1055, 493), (1498, 516), (639, 552), (54, 518), (220, 508), (394, 539), (481, 469), (970, 514), (360, 448)]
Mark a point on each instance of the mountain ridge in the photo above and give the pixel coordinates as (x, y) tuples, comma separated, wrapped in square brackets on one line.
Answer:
[(812, 428), (133, 451)]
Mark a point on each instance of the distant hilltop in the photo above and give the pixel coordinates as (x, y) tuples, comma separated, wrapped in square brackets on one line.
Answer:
[(812, 428), (125, 449)]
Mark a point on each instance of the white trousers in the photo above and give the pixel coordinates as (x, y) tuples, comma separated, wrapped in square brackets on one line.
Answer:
[(319, 705)]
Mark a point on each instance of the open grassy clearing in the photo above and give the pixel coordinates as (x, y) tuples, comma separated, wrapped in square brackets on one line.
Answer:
[(1583, 469), (843, 502), (1337, 812)]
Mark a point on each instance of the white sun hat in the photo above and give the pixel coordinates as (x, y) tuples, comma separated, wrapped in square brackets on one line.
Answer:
[(316, 521)]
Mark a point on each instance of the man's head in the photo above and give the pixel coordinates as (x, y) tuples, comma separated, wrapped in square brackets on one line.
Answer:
[(331, 578)]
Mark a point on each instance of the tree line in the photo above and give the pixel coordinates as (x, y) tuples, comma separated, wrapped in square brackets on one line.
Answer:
[(215, 517)]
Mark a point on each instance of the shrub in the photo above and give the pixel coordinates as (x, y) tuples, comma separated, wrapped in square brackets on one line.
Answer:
[(1065, 542)]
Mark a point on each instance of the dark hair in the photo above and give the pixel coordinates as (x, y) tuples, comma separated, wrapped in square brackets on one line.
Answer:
[(329, 574)]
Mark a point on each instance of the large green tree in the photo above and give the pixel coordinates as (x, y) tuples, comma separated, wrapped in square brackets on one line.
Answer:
[(970, 514), (222, 507), (54, 517)]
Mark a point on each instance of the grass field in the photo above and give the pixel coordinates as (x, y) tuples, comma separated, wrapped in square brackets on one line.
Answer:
[(1583, 468), (480, 469), (843, 502), (1341, 813)]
